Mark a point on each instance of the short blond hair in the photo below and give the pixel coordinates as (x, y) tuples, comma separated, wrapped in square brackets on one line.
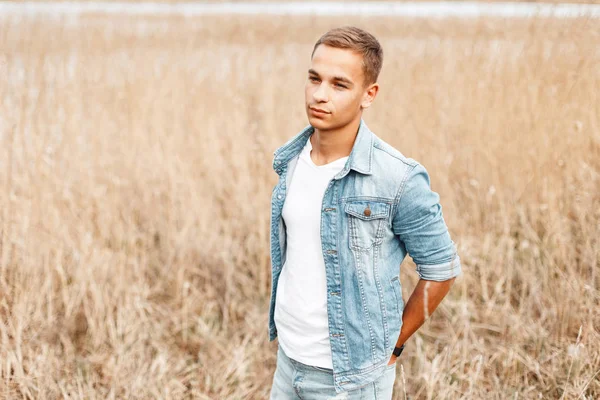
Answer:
[(360, 41)]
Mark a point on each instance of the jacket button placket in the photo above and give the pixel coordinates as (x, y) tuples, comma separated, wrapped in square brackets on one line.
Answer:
[(329, 243)]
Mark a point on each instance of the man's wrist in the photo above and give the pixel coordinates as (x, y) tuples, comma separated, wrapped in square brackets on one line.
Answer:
[(398, 350)]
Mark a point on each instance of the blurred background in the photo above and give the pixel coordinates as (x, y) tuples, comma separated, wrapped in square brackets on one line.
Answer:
[(135, 181)]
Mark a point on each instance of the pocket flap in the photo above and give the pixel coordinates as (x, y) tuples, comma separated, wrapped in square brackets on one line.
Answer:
[(375, 209)]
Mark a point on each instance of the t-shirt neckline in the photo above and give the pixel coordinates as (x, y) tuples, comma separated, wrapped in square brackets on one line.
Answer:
[(334, 163)]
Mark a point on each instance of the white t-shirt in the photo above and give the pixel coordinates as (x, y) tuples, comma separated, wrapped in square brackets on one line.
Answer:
[(301, 300)]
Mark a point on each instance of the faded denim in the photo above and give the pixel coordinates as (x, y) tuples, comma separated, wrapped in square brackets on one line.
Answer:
[(377, 209), (295, 380)]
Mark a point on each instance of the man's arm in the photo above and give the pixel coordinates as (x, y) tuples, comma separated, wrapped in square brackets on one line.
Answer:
[(420, 226), (422, 303)]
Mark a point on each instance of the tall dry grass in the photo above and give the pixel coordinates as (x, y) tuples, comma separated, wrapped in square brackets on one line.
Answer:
[(135, 178)]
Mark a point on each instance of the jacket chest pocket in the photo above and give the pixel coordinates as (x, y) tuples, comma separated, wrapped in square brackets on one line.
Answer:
[(366, 222)]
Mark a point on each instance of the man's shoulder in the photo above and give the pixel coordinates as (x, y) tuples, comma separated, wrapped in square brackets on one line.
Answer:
[(293, 143), (388, 155), (390, 168)]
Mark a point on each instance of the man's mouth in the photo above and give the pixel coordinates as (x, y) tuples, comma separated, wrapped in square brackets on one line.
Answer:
[(318, 110)]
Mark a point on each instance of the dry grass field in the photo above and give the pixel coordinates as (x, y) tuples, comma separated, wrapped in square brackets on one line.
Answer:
[(135, 181)]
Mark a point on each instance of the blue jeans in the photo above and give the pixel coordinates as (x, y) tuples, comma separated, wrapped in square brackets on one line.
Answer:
[(295, 380)]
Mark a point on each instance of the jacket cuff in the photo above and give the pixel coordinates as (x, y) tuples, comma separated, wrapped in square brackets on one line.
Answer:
[(440, 272)]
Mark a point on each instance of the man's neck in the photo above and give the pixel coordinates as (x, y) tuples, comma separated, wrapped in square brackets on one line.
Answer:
[(330, 145)]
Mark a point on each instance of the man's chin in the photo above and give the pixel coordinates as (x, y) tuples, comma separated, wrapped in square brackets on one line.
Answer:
[(318, 123)]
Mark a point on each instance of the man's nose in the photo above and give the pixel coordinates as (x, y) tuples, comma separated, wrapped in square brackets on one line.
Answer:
[(320, 94)]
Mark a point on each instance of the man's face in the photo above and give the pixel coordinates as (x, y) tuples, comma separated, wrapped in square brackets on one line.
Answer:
[(335, 85)]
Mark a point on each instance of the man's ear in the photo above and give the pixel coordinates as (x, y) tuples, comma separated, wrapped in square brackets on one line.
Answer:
[(369, 95)]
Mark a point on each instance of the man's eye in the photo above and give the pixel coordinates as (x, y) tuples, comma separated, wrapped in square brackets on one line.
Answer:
[(340, 85), (313, 79)]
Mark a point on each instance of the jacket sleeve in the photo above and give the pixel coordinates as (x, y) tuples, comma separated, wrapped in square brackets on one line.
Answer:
[(420, 226)]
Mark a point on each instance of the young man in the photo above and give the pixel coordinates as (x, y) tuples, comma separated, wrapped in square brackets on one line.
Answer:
[(347, 209)]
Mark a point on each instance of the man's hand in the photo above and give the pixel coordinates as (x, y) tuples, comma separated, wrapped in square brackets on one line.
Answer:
[(392, 360), (422, 303)]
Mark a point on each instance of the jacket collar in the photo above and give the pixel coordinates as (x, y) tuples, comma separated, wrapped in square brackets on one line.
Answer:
[(360, 158)]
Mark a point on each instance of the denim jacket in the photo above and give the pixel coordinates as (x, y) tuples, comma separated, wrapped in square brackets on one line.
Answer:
[(377, 209)]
